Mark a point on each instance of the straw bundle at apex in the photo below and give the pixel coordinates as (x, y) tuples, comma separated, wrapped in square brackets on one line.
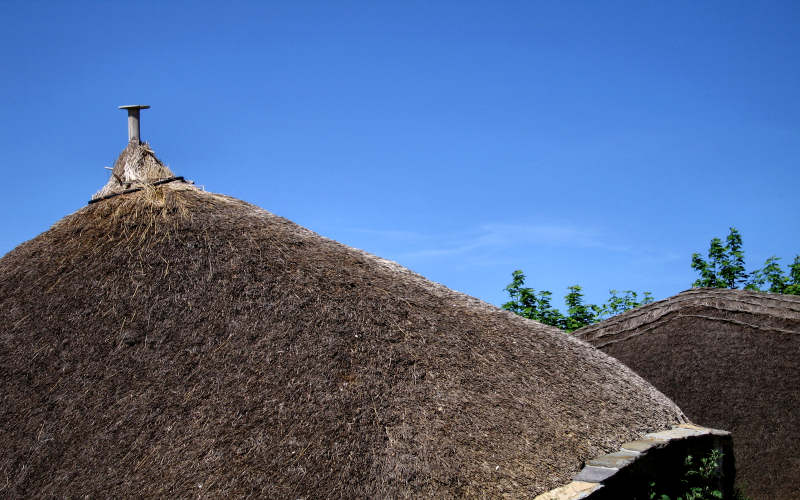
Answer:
[(169, 341), (729, 359)]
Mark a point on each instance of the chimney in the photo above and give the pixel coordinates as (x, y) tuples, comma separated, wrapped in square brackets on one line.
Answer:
[(133, 120)]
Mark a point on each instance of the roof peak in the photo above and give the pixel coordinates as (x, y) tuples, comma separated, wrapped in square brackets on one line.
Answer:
[(137, 166)]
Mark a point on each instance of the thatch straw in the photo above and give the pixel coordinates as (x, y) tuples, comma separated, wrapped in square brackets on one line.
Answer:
[(729, 359), (173, 342), (137, 166)]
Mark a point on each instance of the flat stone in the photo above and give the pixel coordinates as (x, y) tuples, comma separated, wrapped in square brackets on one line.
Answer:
[(593, 474), (616, 460), (572, 491), (675, 433), (642, 445), (716, 432)]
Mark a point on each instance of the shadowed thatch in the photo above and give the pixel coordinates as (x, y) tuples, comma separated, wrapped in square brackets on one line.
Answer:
[(174, 342), (729, 359)]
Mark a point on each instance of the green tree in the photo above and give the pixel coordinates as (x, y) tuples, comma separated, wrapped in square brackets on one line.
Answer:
[(579, 314), (527, 303), (725, 265), (725, 268), (617, 304), (793, 287), (771, 274), (534, 305)]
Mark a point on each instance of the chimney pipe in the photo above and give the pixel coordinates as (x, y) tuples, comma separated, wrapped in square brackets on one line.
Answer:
[(133, 120)]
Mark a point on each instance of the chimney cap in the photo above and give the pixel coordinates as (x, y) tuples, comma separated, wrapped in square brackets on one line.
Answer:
[(135, 106)]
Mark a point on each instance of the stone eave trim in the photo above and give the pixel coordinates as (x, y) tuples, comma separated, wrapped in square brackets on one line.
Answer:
[(596, 472)]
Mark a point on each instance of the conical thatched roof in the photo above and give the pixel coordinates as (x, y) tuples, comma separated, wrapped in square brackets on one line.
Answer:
[(136, 168), (729, 359), (172, 342)]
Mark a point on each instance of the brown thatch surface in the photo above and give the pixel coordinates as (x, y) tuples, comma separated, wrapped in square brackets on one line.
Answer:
[(174, 342), (137, 166), (730, 359)]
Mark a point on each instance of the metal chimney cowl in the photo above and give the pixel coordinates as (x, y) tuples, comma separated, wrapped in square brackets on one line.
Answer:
[(133, 121)]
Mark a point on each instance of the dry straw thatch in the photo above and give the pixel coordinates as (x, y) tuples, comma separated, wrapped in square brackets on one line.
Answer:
[(136, 167), (730, 359), (174, 342)]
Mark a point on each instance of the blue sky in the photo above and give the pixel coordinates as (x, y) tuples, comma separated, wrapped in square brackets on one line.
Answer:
[(598, 143)]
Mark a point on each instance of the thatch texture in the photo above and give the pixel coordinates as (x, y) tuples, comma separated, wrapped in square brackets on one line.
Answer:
[(137, 166), (730, 359), (174, 342)]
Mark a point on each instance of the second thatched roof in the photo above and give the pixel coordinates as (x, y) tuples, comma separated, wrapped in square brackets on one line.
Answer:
[(730, 359)]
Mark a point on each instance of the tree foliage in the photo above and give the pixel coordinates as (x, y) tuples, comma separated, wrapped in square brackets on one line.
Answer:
[(529, 303), (725, 268), (725, 265)]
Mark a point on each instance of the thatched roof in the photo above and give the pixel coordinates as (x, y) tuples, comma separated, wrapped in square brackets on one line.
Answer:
[(137, 167), (730, 359), (171, 341)]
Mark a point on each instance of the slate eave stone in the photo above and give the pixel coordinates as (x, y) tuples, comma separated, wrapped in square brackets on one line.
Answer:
[(595, 474), (643, 445), (616, 460), (705, 430), (675, 433)]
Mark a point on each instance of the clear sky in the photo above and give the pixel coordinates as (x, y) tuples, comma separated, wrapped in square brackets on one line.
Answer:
[(598, 143)]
